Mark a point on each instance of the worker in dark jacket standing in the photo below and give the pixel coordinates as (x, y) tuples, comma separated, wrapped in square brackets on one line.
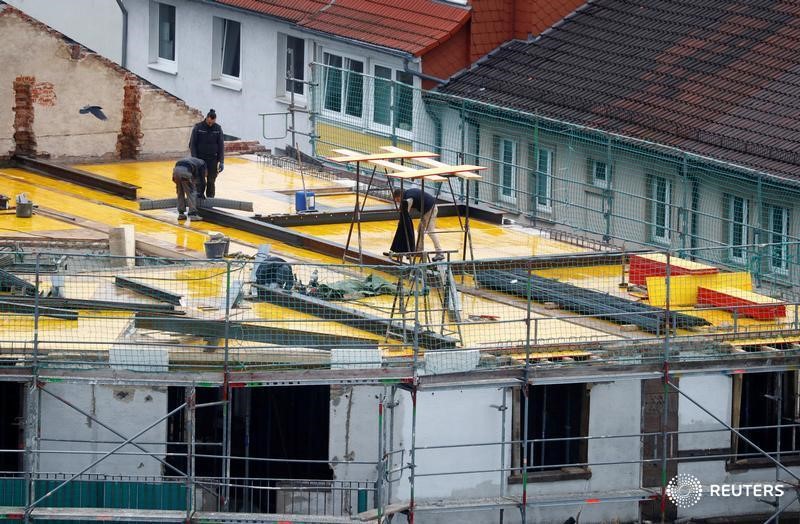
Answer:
[(206, 143)]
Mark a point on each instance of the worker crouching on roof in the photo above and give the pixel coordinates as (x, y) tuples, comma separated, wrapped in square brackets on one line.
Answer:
[(425, 203), (186, 174)]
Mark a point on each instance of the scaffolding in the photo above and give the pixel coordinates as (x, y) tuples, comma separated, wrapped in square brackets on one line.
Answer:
[(223, 326)]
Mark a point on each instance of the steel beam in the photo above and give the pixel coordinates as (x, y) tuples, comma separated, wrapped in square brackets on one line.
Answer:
[(75, 303), (287, 236), (148, 290), (11, 306), (76, 176), (250, 332), (351, 317), (11, 281)]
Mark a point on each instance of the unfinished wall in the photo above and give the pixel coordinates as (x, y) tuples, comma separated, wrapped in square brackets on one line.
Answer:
[(127, 409), (46, 79)]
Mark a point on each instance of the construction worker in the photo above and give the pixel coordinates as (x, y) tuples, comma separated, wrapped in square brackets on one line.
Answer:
[(185, 174), (425, 204), (207, 144)]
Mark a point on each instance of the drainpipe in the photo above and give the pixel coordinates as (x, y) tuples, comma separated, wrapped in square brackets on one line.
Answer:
[(124, 57), (419, 73)]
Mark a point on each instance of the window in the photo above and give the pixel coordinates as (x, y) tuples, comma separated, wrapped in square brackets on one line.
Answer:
[(737, 227), (166, 32), (404, 102), (508, 170), (544, 177), (600, 174), (393, 100), (558, 416), (762, 401), (778, 231), (661, 205), (295, 64), (344, 85), (231, 48), (382, 96)]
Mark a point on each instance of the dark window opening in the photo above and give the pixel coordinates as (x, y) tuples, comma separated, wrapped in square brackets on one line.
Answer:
[(766, 401), (556, 412), (287, 425), (11, 422), (295, 64)]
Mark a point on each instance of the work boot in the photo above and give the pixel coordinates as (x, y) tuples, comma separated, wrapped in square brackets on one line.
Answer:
[(195, 217), (181, 216), (438, 257)]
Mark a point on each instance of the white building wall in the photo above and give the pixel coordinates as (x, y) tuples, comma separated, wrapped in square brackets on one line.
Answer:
[(97, 24), (262, 70)]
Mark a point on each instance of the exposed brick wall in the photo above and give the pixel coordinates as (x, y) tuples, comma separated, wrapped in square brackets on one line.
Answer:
[(240, 147), (532, 17), (24, 137), (129, 140), (143, 120)]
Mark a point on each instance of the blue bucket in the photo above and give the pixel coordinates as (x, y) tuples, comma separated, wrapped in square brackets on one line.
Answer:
[(304, 201)]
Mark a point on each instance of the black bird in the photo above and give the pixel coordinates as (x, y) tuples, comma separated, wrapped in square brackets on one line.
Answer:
[(95, 110)]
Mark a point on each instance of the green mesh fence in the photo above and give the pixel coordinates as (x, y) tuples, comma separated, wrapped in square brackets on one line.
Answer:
[(559, 174)]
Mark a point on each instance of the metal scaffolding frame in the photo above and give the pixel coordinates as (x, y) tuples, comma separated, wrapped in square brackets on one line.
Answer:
[(389, 468)]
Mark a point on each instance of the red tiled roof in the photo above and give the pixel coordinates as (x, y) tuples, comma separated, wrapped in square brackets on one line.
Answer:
[(413, 26), (716, 77)]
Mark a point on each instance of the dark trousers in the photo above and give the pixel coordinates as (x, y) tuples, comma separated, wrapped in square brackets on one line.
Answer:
[(211, 177)]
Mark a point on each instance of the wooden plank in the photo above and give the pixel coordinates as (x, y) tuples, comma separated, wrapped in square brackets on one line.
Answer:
[(406, 169), (683, 288), (434, 163), (381, 156), (448, 170)]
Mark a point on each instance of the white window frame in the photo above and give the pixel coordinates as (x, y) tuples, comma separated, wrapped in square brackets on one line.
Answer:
[(604, 182), (155, 61), (281, 91), (778, 240), (547, 206), (742, 226), (342, 113), (666, 212), (373, 79), (225, 22), (510, 168)]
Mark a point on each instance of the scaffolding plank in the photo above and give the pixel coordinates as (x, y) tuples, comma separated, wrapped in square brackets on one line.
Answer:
[(380, 156), (446, 170), (148, 290), (434, 163), (351, 317)]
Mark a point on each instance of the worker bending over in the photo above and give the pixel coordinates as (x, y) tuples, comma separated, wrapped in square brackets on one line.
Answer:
[(425, 204), (188, 174)]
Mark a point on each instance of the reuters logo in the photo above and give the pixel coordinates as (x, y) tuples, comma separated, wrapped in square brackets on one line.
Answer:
[(684, 490)]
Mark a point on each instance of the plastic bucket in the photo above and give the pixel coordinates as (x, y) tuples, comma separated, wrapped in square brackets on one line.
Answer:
[(304, 201), (216, 249), (24, 209)]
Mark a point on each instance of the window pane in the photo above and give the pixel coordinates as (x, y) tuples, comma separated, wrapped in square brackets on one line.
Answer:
[(230, 48), (333, 82), (543, 178), (382, 96), (600, 171), (295, 64), (166, 31), (404, 108), (507, 176), (354, 88), (778, 227)]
